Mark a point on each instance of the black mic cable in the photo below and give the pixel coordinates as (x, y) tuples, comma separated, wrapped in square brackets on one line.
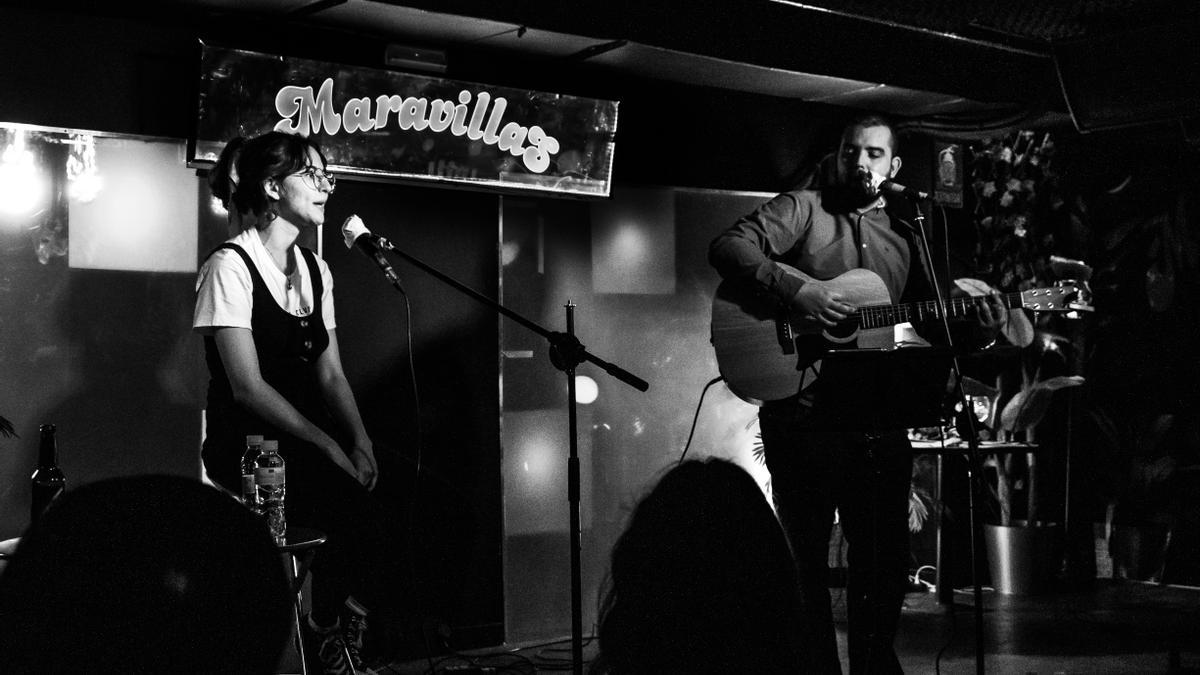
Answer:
[(356, 234), (696, 417)]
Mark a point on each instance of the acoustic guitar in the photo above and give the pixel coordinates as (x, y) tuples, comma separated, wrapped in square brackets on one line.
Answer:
[(764, 351)]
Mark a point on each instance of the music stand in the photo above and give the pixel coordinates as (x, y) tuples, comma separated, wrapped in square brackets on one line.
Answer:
[(882, 389)]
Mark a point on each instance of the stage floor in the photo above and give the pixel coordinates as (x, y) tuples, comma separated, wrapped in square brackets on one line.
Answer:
[(1112, 627)]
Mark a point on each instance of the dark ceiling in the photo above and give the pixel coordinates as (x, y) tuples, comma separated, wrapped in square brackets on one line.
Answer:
[(1034, 24), (949, 65)]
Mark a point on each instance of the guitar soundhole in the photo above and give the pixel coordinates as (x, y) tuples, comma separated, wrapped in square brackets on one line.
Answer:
[(843, 329)]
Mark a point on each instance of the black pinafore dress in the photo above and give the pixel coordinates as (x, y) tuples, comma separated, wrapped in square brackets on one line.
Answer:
[(288, 347)]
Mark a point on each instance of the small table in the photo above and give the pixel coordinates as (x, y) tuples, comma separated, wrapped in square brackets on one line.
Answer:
[(945, 591), (300, 543), (959, 447)]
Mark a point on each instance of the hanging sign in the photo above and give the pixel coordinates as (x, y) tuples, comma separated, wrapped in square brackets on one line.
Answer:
[(948, 178), (386, 124)]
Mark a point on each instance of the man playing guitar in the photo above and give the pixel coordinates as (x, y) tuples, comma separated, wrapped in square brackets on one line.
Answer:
[(864, 475)]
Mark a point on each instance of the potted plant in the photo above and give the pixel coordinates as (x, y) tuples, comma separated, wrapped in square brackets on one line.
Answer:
[(1022, 551), (1020, 540), (1018, 421)]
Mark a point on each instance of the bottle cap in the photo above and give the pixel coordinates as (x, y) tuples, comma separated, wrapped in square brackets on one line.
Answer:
[(254, 439), (270, 445)]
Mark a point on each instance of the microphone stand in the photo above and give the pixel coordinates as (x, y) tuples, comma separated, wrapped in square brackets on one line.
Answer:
[(566, 352), (974, 463)]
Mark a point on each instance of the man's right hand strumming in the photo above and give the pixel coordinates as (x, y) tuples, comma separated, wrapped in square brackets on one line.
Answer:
[(818, 300)]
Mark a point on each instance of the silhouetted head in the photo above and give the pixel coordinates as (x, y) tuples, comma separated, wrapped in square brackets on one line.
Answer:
[(149, 574), (701, 581)]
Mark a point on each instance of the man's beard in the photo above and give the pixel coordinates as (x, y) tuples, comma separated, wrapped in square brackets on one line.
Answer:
[(853, 191)]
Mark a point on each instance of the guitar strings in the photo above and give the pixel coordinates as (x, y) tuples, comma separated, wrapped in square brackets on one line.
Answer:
[(884, 315)]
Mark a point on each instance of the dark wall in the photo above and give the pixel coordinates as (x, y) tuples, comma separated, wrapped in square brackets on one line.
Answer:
[(450, 422)]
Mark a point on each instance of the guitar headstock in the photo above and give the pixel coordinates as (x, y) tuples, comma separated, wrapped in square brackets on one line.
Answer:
[(1065, 296)]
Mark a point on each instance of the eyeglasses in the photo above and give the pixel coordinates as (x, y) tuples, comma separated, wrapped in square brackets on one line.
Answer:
[(312, 177)]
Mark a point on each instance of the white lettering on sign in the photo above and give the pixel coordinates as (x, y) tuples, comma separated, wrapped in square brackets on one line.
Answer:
[(305, 113), (310, 112)]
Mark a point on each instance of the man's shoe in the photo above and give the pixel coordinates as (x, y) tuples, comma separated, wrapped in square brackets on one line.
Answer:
[(352, 636), (331, 649)]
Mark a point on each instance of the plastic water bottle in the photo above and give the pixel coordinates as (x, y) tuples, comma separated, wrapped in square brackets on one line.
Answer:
[(47, 480), (270, 477), (249, 490)]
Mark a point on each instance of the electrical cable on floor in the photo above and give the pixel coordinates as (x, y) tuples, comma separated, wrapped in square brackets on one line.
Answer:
[(548, 647), (537, 662), (696, 417), (916, 577), (937, 662)]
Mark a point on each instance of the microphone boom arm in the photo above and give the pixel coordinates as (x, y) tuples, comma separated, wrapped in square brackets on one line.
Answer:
[(567, 347)]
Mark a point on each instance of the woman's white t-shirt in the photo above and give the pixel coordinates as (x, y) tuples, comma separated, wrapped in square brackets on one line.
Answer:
[(225, 288)]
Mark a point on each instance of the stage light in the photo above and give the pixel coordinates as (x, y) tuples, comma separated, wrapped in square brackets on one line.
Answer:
[(586, 389), (536, 444), (633, 243), (509, 251), (21, 188)]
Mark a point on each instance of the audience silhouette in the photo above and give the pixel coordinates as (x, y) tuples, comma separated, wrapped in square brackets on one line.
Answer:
[(701, 581), (146, 574)]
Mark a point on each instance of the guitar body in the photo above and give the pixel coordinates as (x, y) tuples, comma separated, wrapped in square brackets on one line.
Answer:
[(766, 355), (762, 352)]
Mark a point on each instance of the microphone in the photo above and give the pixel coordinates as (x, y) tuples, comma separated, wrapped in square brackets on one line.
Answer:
[(896, 188), (356, 234)]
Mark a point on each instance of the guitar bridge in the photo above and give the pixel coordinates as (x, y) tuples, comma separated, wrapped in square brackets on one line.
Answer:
[(785, 335)]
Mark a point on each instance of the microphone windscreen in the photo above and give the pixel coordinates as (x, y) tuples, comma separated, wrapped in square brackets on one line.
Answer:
[(352, 229), (877, 180)]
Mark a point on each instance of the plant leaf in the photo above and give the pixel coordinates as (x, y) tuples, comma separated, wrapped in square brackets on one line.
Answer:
[(6, 428), (1029, 406), (973, 287), (973, 387), (1018, 329), (918, 512), (1065, 268)]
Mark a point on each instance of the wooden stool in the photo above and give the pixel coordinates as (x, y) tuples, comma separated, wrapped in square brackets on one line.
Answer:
[(300, 543)]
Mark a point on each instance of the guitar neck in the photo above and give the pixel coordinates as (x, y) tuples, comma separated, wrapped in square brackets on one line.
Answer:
[(879, 316)]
